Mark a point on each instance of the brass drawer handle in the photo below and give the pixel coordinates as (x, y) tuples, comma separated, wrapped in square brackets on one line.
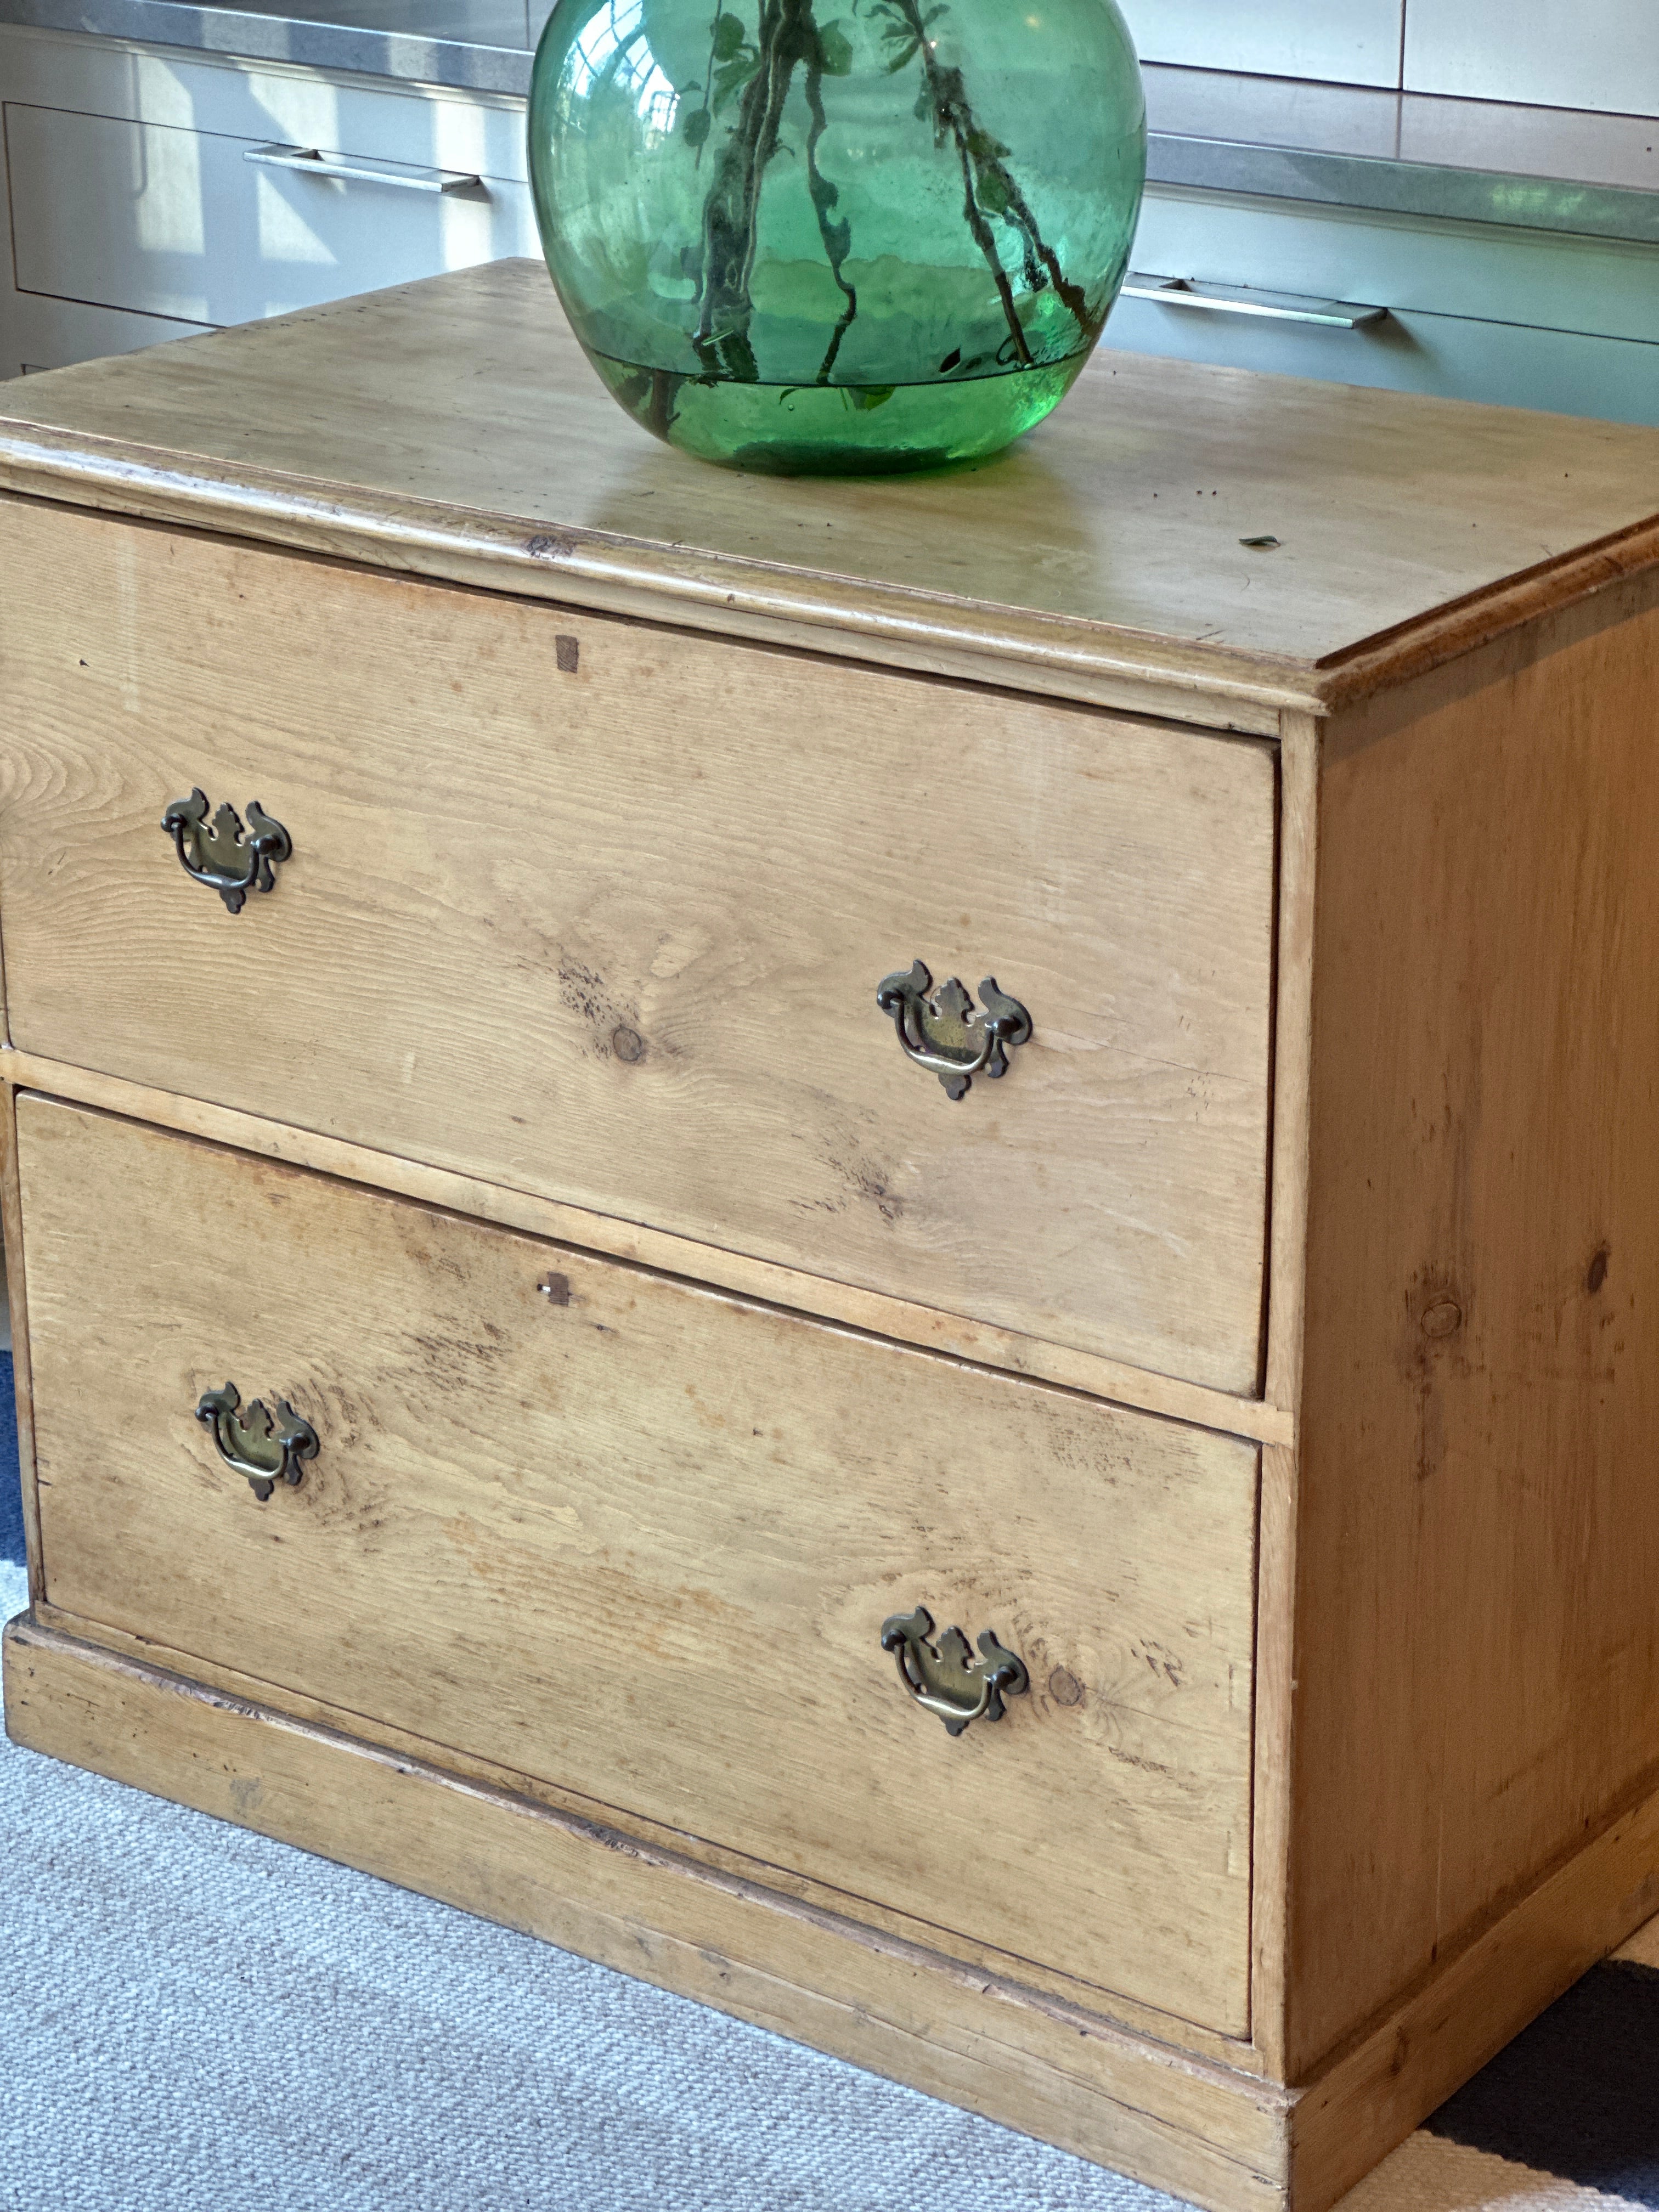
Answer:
[(220, 853), (945, 1033), (946, 1678), (266, 1451)]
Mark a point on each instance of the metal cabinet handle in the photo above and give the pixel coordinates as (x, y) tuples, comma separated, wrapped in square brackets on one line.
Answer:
[(945, 1678), (267, 1450), (220, 853), (1244, 300), (406, 176), (945, 1033)]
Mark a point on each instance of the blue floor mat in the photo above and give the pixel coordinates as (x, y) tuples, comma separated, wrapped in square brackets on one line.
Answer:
[(11, 1493)]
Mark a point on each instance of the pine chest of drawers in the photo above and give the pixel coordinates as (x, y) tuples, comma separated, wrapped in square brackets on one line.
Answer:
[(888, 1249)]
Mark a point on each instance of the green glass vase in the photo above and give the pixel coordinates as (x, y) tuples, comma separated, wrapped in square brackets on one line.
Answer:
[(837, 235)]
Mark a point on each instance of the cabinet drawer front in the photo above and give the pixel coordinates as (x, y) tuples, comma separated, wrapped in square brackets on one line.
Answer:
[(1444, 356), (639, 1539), (1412, 265), (163, 221), (37, 334), (601, 912)]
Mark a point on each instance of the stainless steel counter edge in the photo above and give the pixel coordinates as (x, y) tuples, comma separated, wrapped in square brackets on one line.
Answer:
[(241, 34), (1395, 186), (1327, 174)]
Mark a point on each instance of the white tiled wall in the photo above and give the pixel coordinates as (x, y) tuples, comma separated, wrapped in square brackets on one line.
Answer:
[(1346, 41), (1594, 53), (1552, 53)]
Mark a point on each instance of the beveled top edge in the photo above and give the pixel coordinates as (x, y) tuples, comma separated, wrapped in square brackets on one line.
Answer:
[(766, 601), (610, 572), (1464, 625)]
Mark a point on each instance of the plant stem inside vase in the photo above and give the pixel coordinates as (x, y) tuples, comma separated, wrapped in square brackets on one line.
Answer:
[(789, 37)]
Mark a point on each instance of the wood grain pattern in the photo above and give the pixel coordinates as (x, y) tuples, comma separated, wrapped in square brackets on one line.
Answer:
[(1478, 1550), (613, 933), (1025, 1980), (790, 1288), (1299, 756), (1274, 1838), (1213, 2136), (1437, 2036), (639, 1539), (11, 1218), (1105, 544)]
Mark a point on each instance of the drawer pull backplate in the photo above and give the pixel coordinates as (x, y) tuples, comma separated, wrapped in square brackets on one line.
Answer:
[(266, 1449), (945, 1678), (220, 853), (945, 1033)]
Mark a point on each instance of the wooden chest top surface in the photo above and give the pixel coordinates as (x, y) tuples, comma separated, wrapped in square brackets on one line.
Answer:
[(460, 409)]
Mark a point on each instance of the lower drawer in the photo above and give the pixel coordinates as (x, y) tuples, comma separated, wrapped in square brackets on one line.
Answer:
[(1476, 311), (639, 1539), (1442, 357), (37, 334)]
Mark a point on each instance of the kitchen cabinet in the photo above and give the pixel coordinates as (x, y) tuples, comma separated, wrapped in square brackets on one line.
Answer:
[(157, 191), (152, 194)]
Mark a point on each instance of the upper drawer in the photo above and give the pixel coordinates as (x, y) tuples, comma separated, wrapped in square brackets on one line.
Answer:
[(600, 912), (162, 221), (640, 1540)]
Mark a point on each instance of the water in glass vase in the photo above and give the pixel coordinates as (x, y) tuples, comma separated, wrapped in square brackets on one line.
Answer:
[(884, 240)]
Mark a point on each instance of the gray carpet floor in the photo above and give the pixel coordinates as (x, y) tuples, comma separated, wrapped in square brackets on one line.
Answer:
[(198, 2019)]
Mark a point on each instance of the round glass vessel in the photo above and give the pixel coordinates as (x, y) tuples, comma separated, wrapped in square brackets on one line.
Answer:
[(837, 235)]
